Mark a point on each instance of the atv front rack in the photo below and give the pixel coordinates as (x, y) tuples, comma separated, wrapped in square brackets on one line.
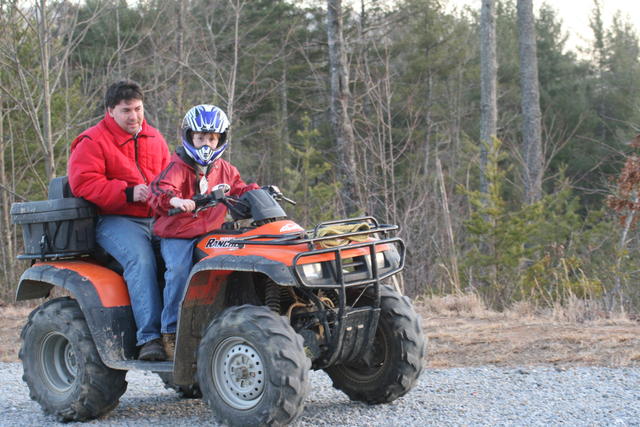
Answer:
[(352, 271), (302, 237), (339, 271)]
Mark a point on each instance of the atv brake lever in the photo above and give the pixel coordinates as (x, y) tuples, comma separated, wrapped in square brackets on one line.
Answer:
[(287, 200), (203, 207), (275, 192)]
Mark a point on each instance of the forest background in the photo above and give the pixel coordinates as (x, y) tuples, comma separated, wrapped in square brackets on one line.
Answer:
[(414, 110)]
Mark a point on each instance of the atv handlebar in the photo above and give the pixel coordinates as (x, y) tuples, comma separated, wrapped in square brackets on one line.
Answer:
[(203, 201), (217, 195)]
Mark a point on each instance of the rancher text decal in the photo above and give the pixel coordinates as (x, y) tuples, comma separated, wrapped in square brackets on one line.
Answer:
[(222, 243)]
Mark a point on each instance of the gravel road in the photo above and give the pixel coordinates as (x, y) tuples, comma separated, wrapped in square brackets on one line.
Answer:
[(485, 396)]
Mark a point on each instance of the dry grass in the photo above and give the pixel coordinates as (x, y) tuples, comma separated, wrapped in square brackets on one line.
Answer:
[(12, 319), (463, 332)]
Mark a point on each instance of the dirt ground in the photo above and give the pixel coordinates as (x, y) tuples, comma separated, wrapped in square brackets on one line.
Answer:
[(465, 334)]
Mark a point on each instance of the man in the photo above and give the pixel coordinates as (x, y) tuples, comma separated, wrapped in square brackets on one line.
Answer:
[(111, 165)]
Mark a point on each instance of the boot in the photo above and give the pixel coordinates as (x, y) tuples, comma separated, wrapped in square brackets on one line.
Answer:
[(169, 344), (152, 350)]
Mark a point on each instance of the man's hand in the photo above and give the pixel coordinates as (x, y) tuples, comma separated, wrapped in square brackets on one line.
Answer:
[(185, 205), (140, 193)]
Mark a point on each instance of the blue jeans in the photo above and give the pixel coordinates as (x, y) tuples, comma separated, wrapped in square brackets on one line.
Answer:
[(178, 259), (129, 240)]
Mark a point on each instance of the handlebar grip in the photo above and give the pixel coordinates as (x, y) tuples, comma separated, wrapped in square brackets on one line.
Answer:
[(174, 211)]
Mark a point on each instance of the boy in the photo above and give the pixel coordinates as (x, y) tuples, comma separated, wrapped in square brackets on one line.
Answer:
[(195, 168)]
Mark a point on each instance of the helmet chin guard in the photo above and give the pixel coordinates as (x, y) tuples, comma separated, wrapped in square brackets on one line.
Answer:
[(204, 155)]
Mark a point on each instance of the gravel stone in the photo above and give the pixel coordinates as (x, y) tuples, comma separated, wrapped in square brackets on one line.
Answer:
[(479, 396)]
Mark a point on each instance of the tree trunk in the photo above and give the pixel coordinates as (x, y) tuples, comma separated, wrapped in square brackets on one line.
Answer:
[(531, 116), (8, 251), (454, 276), (600, 55), (181, 56), (488, 79), (340, 97), (231, 93), (44, 36), (283, 142)]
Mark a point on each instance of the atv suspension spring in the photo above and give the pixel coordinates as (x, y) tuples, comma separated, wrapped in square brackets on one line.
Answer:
[(272, 296), (287, 296)]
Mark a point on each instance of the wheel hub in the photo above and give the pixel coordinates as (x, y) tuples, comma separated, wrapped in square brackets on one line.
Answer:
[(238, 373), (58, 362)]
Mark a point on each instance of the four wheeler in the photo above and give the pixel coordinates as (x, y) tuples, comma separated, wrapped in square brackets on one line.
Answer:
[(265, 302)]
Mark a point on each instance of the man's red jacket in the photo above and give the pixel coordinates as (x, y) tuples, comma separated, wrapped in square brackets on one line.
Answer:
[(106, 163), (181, 179)]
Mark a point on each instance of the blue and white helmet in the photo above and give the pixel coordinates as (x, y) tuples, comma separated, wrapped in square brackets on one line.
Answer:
[(209, 119)]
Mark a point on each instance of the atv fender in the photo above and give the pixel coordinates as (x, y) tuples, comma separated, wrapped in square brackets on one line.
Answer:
[(103, 297), (205, 297), (277, 271)]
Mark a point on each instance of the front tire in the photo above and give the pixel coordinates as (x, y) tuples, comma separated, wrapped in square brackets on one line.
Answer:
[(252, 368), (62, 367), (395, 361), (191, 391)]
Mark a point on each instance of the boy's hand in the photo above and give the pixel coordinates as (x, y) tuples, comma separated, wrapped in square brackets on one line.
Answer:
[(185, 205)]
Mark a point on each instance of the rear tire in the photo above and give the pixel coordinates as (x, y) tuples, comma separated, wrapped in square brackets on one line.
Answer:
[(252, 368), (62, 367), (395, 360)]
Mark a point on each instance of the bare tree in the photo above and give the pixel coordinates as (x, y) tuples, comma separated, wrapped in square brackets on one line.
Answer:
[(531, 116), (58, 30), (340, 97), (488, 79)]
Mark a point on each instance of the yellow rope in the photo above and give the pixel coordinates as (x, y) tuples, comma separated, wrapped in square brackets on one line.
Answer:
[(341, 229)]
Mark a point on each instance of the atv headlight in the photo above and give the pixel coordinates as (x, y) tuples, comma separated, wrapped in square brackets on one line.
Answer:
[(312, 271), (380, 260)]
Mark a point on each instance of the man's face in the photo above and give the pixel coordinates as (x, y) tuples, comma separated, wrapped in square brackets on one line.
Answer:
[(129, 114)]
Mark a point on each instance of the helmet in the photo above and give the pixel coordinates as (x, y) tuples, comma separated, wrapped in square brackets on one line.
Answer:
[(204, 118)]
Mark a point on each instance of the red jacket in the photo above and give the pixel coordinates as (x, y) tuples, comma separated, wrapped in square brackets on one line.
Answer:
[(106, 163), (180, 179)]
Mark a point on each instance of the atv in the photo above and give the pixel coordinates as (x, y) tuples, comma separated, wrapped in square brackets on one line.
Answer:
[(265, 302)]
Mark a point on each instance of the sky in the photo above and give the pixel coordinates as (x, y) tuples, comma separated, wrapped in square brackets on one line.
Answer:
[(575, 15)]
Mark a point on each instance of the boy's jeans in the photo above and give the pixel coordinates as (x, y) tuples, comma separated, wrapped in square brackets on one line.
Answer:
[(129, 240), (178, 259)]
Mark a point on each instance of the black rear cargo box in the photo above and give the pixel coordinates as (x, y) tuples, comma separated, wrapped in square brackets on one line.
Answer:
[(59, 227)]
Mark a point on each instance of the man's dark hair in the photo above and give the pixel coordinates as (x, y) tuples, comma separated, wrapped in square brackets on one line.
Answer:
[(122, 90)]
